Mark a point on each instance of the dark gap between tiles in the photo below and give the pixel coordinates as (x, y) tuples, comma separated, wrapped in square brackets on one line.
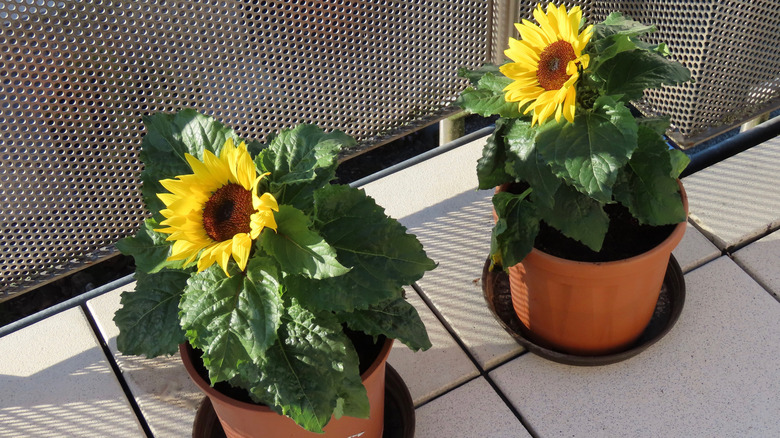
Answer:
[(729, 252), (703, 264), (482, 372), (767, 231), (765, 286), (117, 371)]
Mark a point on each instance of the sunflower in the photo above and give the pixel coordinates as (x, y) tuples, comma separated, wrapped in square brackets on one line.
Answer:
[(215, 213), (547, 62)]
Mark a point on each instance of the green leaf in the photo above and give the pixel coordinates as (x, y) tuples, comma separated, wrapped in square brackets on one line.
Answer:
[(232, 319), (494, 81), (491, 165), (353, 399), (299, 249), (149, 249), (629, 73), (366, 238), (382, 255), (517, 226), (657, 124), (487, 98), (169, 137), (577, 216), (679, 161), (354, 290), (148, 320), (475, 75), (301, 160), (617, 24), (647, 186), (304, 374), (396, 319), (254, 147), (607, 48), (589, 152), (200, 133), (525, 163), (487, 103)]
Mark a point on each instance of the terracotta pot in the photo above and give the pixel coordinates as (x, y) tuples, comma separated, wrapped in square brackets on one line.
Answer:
[(247, 420), (590, 308)]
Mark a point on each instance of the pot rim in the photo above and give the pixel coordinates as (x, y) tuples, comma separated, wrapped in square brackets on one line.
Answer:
[(670, 242), (185, 351)]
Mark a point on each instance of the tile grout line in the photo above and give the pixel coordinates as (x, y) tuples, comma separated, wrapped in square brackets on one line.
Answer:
[(117, 371), (731, 251), (753, 277), (482, 372)]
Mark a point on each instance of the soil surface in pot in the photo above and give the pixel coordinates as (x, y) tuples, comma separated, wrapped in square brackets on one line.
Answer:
[(367, 350), (625, 238)]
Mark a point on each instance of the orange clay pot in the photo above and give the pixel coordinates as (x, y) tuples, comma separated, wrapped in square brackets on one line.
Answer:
[(590, 308), (246, 420)]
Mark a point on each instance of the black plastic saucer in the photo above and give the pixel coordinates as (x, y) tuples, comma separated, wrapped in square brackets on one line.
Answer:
[(495, 285), (399, 412)]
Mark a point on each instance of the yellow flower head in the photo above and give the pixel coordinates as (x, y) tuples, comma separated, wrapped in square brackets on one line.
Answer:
[(546, 63), (214, 213)]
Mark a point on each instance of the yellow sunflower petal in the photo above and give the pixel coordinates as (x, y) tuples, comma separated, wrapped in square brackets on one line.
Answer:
[(533, 35), (206, 258), (569, 104), (245, 170), (260, 220), (574, 18), (201, 174), (547, 61), (218, 168), (522, 53), (523, 95), (556, 16), (241, 246), (544, 22), (223, 254), (584, 60), (181, 250)]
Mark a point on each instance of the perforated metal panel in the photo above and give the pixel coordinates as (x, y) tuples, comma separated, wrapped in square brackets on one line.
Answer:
[(731, 47), (78, 75), (733, 51)]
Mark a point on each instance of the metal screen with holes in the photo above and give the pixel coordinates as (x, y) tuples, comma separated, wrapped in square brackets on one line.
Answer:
[(77, 76), (732, 48)]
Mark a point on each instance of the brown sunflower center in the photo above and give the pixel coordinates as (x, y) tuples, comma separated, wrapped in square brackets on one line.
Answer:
[(553, 60), (228, 212)]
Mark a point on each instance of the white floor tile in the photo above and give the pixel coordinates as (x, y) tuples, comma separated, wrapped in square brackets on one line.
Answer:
[(694, 249), (161, 386), (56, 382), (473, 410), (737, 199), (762, 260), (715, 374), (424, 380)]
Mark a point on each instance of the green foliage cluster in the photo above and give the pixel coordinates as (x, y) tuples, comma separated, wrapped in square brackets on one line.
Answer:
[(276, 329), (573, 169)]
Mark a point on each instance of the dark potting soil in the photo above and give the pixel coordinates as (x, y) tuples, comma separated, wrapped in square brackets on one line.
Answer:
[(625, 238), (367, 350)]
